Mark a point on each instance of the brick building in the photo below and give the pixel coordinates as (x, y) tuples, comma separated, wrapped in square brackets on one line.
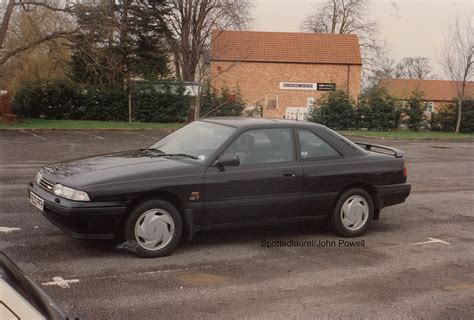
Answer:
[(285, 72), (435, 92)]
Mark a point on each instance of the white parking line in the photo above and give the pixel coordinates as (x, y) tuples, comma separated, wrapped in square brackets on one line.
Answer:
[(430, 240), (8, 230), (58, 281), (91, 135), (141, 135), (34, 135)]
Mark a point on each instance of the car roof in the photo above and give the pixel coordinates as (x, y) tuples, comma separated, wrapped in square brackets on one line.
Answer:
[(241, 122)]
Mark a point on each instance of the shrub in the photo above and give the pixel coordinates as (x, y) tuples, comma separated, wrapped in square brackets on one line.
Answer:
[(335, 110), (377, 110), (414, 110), (445, 118), (212, 98)]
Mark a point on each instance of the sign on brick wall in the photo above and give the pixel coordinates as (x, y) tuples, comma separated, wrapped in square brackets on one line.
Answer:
[(298, 86), (326, 86), (307, 86)]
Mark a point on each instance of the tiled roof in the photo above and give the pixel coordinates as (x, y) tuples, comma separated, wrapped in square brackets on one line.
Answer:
[(289, 47), (433, 90)]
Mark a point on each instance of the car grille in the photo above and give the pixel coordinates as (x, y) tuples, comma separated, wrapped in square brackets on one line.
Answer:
[(45, 184)]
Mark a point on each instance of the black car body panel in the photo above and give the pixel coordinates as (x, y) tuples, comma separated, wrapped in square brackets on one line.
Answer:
[(209, 196)]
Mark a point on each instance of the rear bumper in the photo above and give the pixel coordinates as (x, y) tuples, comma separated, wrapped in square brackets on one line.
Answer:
[(392, 194), (85, 220)]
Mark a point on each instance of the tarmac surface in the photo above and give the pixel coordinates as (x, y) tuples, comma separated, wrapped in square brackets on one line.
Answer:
[(416, 262)]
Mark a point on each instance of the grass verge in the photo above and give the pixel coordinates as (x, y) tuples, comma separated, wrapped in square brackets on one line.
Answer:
[(406, 134), (86, 124), (92, 124)]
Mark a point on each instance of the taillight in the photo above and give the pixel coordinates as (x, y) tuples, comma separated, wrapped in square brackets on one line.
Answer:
[(405, 171)]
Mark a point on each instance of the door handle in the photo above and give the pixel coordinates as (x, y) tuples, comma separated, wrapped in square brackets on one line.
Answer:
[(288, 174)]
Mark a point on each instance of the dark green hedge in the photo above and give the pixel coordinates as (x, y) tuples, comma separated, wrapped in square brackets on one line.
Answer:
[(151, 102)]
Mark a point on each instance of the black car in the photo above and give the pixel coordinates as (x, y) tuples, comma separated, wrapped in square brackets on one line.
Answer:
[(219, 173)]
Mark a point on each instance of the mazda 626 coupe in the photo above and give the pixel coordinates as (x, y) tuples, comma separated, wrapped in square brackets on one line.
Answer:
[(219, 173)]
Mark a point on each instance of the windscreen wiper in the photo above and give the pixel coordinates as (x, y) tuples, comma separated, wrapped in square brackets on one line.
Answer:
[(162, 154), (181, 155)]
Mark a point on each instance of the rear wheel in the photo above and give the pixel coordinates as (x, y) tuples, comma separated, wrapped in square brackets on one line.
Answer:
[(155, 226), (353, 212)]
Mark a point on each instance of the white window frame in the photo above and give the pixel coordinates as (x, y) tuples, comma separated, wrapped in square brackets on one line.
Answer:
[(429, 106)]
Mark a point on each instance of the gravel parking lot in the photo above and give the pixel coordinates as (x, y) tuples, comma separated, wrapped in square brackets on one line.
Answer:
[(416, 262)]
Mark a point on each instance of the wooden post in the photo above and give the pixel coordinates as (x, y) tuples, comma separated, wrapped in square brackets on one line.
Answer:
[(130, 102)]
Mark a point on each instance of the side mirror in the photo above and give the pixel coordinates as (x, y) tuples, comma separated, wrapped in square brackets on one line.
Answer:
[(228, 161)]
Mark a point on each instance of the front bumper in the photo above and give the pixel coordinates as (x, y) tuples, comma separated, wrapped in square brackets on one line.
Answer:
[(85, 220), (392, 194)]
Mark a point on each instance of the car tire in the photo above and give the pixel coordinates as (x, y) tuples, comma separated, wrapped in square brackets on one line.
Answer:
[(352, 213), (155, 226)]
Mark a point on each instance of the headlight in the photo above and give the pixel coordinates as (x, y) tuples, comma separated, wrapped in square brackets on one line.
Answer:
[(38, 177), (69, 193)]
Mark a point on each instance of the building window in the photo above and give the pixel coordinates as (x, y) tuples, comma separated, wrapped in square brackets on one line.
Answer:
[(271, 101), (429, 107)]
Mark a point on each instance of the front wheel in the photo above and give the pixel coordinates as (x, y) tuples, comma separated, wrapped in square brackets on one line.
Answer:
[(155, 226), (353, 212)]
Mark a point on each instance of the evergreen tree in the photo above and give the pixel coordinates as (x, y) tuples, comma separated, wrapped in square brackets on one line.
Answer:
[(445, 118), (120, 41), (335, 110), (377, 109), (414, 110), (212, 98)]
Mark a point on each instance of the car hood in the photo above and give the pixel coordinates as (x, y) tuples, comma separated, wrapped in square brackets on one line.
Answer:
[(113, 167)]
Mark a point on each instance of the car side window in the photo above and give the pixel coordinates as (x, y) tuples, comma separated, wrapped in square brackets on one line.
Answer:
[(259, 146), (313, 147)]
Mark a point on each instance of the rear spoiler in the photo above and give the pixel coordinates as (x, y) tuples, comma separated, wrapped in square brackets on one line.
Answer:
[(367, 146)]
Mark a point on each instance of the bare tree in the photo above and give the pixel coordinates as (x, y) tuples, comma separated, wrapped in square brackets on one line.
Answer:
[(340, 16), (46, 61), (414, 68), (457, 59), (42, 35), (383, 69), (408, 68), (191, 23), (348, 17)]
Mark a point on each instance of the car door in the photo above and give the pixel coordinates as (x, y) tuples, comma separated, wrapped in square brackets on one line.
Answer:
[(324, 169), (267, 181)]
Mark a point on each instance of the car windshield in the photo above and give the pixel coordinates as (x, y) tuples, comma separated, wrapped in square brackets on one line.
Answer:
[(198, 140)]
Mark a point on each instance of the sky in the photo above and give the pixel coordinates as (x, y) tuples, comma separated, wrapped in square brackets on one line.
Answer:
[(411, 28)]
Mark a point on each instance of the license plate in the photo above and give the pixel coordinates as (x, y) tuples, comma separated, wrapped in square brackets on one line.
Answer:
[(36, 201)]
